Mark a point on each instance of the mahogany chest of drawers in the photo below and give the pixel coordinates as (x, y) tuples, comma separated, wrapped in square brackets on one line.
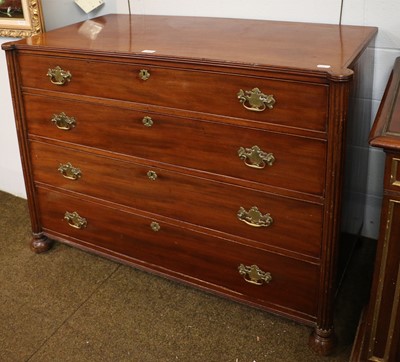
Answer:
[(206, 150)]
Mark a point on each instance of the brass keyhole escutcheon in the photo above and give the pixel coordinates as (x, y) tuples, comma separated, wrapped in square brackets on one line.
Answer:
[(152, 175), (155, 226), (144, 74), (147, 121)]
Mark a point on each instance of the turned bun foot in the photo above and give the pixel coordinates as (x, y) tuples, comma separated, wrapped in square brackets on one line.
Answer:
[(40, 243), (322, 342)]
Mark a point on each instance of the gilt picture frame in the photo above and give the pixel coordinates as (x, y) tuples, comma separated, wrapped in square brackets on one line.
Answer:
[(20, 18)]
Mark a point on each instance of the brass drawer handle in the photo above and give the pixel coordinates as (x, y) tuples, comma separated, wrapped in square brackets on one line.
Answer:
[(59, 76), (70, 172), (155, 226), (254, 275), (147, 121), (253, 217), (255, 100), (144, 74), (63, 122), (255, 157), (152, 175), (74, 220)]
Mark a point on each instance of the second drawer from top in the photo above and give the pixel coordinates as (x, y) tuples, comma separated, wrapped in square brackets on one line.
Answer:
[(279, 160)]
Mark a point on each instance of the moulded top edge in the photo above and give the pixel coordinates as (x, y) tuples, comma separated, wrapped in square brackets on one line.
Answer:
[(322, 49)]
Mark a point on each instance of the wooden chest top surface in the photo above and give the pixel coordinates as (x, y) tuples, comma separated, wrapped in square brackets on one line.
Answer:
[(317, 48)]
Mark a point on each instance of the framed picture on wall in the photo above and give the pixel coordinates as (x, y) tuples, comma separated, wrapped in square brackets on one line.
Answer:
[(20, 18)]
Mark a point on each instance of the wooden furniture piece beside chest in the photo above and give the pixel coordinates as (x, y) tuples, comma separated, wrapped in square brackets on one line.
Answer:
[(206, 150), (378, 338)]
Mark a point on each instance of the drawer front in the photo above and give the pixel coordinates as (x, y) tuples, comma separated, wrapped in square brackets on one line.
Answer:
[(295, 104), (295, 225), (205, 260), (290, 162)]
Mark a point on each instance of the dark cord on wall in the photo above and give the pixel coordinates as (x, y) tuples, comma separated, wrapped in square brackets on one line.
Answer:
[(129, 7), (341, 12)]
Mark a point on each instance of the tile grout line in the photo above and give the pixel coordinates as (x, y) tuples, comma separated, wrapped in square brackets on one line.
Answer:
[(74, 312)]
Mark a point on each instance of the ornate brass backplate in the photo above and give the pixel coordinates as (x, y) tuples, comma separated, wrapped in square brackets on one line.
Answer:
[(70, 172), (255, 100), (75, 220), (255, 157), (254, 275), (64, 122), (59, 76), (254, 217)]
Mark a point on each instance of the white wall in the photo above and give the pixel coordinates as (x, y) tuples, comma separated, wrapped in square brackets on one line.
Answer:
[(59, 13), (326, 11), (11, 178), (384, 14)]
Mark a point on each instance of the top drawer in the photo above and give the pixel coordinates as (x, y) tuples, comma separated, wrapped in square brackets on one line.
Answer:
[(294, 104)]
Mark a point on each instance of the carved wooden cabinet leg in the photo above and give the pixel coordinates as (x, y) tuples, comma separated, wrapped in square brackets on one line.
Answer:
[(322, 342), (40, 243)]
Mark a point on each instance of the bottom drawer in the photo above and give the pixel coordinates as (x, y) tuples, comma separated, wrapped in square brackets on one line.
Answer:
[(195, 257)]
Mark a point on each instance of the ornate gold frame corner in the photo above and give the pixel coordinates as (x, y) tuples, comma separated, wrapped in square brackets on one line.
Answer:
[(31, 24)]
